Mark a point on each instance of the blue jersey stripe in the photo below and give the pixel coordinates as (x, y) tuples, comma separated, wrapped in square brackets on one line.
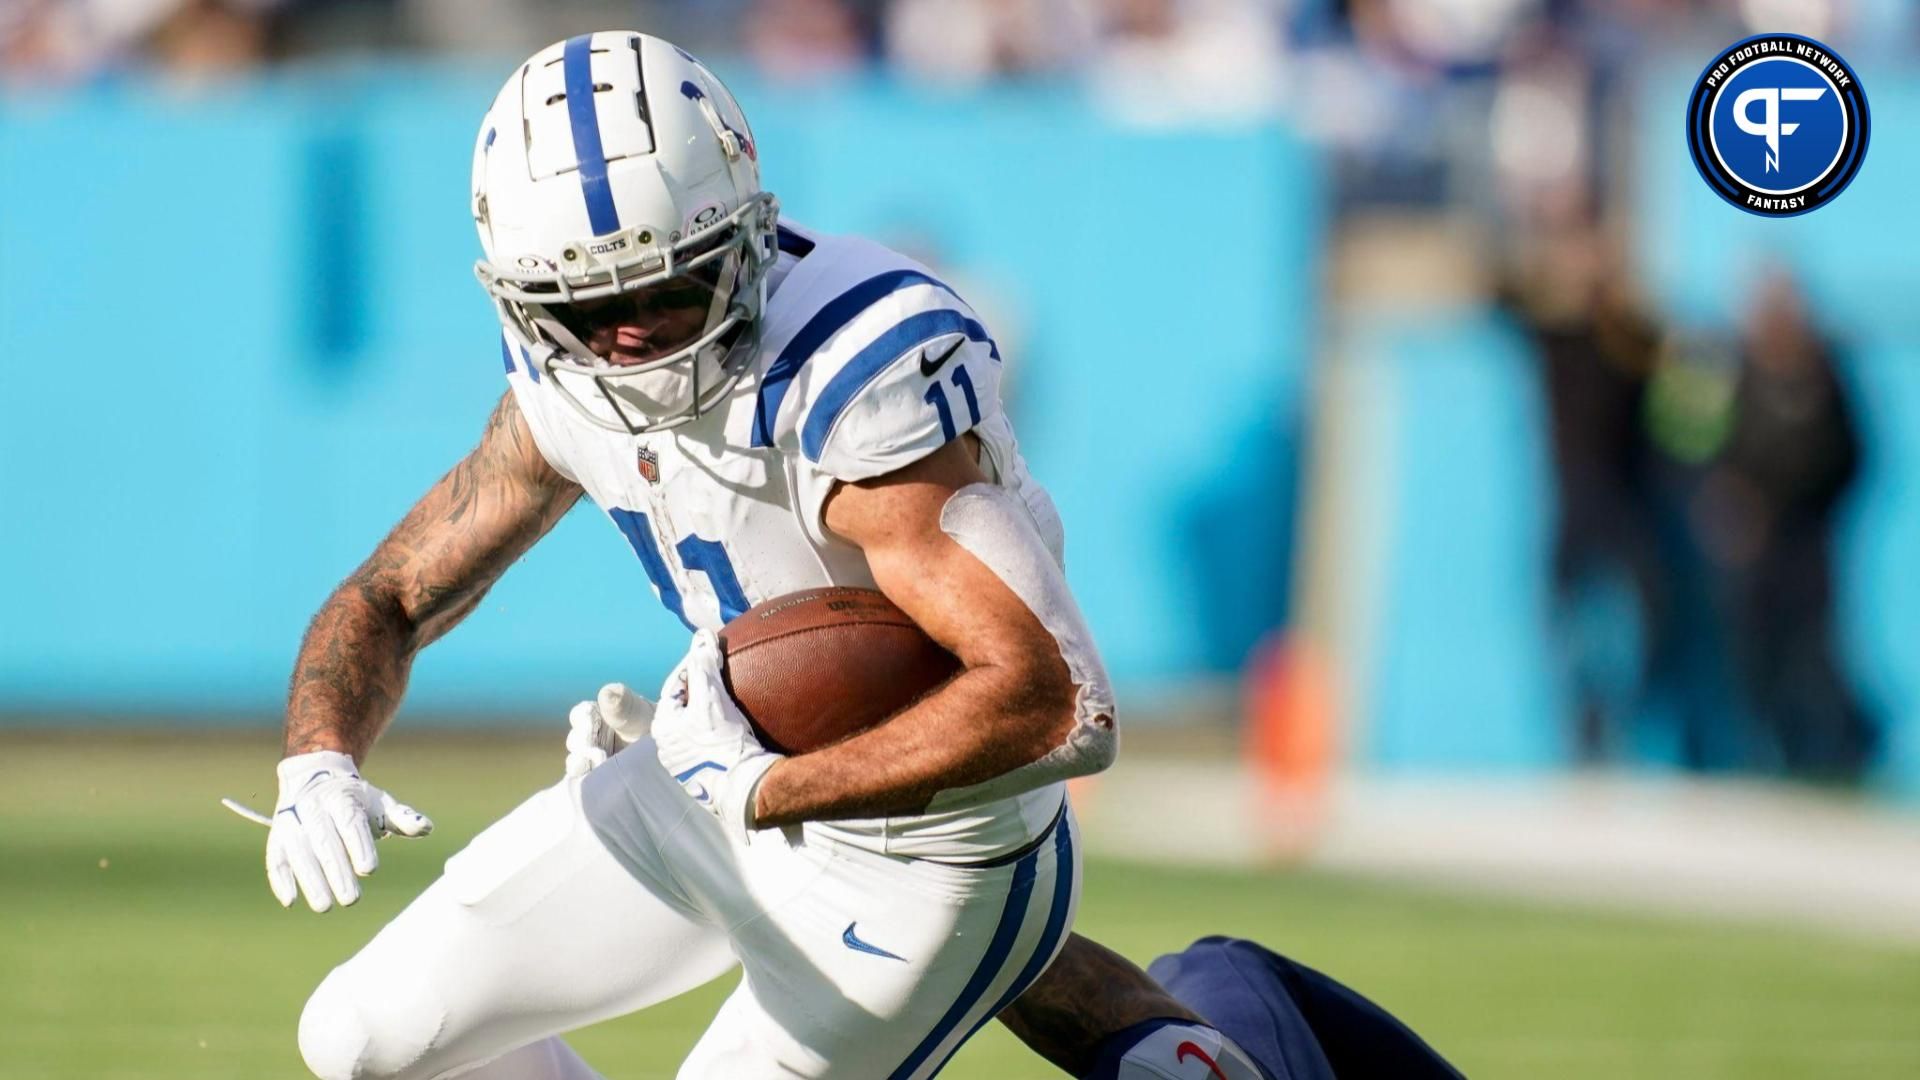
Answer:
[(832, 318), (828, 321), (1056, 925), (991, 964), (587, 151), (869, 362), (793, 243), (506, 354)]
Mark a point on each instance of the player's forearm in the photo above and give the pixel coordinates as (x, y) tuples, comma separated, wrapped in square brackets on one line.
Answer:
[(352, 671), (987, 722), (1087, 994)]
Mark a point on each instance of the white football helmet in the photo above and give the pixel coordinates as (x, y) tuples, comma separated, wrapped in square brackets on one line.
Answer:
[(616, 187)]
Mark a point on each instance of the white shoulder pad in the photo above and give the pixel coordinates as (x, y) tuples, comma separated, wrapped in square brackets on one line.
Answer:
[(523, 377), (887, 372), (903, 397)]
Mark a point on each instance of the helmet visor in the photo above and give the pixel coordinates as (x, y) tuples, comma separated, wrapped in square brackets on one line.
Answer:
[(654, 320)]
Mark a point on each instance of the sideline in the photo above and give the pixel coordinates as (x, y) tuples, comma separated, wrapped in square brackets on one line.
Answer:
[(1668, 845)]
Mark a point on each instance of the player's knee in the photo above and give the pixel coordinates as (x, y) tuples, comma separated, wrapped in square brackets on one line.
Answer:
[(1213, 953), (342, 1037), (335, 1037)]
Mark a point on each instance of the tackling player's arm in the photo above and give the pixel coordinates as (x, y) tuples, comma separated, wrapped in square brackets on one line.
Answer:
[(1088, 994), (429, 572), (1014, 703)]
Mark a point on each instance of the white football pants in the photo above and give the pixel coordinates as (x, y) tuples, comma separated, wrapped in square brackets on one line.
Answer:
[(610, 892)]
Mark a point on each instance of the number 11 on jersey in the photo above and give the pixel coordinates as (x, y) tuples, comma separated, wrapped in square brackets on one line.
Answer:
[(696, 553), (937, 397)]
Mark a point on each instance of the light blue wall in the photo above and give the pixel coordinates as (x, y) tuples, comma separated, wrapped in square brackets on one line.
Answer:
[(1462, 670), (242, 335)]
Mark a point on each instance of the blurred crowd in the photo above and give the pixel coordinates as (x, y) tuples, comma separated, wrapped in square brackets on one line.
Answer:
[(1699, 472), (1423, 102), (1215, 56), (1699, 481)]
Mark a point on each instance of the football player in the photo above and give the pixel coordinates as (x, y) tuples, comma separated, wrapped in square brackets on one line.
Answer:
[(758, 409)]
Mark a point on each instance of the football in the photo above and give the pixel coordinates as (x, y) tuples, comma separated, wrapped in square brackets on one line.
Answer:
[(813, 667)]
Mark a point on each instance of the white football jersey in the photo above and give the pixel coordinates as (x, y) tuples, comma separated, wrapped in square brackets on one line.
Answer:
[(866, 362)]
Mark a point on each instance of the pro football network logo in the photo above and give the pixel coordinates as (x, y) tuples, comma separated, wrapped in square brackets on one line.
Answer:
[(1778, 125)]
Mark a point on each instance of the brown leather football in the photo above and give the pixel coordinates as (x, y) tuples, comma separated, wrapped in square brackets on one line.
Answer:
[(813, 667)]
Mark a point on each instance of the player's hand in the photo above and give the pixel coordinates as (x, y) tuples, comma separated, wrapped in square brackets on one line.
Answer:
[(324, 824), (597, 729), (704, 740)]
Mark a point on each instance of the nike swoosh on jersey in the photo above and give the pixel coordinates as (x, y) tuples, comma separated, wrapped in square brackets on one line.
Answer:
[(929, 366), (852, 941)]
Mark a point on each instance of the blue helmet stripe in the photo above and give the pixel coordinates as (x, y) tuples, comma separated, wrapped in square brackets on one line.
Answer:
[(587, 151)]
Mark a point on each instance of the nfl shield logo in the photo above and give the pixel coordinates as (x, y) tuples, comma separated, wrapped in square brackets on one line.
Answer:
[(648, 462)]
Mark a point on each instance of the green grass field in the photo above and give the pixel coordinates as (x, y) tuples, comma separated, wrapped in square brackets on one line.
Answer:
[(138, 940)]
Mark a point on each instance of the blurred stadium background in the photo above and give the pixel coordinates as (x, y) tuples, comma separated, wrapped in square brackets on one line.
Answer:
[(1508, 552)]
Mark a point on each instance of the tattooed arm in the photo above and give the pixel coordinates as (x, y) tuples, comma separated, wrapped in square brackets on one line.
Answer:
[(422, 579)]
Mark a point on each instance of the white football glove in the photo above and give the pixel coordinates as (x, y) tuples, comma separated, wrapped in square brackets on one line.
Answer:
[(597, 729), (324, 824), (705, 742)]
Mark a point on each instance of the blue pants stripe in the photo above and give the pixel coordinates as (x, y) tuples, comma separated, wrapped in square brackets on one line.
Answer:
[(1012, 917), (1056, 925)]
